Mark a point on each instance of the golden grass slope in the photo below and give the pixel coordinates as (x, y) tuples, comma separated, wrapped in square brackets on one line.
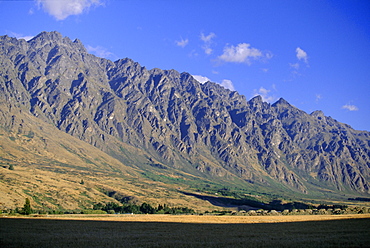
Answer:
[(57, 171)]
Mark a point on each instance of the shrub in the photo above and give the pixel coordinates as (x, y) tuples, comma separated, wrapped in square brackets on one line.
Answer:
[(337, 211), (242, 212), (294, 212), (301, 211), (309, 211), (285, 212), (252, 213), (274, 212), (90, 211), (322, 211)]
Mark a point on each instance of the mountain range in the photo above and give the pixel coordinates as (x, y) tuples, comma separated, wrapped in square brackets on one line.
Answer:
[(76, 129)]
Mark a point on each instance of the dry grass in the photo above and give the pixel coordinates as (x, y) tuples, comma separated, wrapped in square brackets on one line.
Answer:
[(201, 219), (187, 231), (49, 166)]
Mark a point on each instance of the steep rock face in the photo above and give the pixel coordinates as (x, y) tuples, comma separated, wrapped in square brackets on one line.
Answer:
[(198, 128)]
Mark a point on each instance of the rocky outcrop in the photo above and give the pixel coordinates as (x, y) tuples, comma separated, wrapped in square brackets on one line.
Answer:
[(202, 129)]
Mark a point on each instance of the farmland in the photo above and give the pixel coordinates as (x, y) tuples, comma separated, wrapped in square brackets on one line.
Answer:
[(186, 231)]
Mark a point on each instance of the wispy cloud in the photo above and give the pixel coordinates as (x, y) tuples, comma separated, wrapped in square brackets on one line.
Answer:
[(99, 51), (265, 94), (62, 9), (182, 42), (20, 36), (207, 39), (301, 55), (201, 79), (350, 107), (193, 54), (228, 84), (242, 53), (296, 67)]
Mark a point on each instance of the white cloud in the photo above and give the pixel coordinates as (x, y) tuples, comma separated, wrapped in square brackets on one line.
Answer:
[(27, 38), (269, 55), (264, 93), (227, 84), (201, 79), (21, 36), (207, 50), (62, 9), (182, 42), (301, 55), (242, 53), (207, 39), (350, 107), (99, 51), (294, 66), (31, 11), (193, 54)]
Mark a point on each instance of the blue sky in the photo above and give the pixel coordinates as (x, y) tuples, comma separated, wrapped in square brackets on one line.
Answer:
[(315, 54)]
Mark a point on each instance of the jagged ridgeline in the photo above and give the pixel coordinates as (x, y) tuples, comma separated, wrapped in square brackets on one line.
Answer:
[(168, 127)]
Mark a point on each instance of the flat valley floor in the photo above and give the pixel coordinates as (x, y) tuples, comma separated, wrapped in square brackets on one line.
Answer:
[(186, 231)]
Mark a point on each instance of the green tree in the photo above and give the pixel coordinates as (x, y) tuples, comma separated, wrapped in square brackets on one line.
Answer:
[(98, 206), (160, 207), (27, 207), (146, 208), (131, 208)]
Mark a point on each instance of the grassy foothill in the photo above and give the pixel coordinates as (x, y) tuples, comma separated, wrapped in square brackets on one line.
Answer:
[(184, 231)]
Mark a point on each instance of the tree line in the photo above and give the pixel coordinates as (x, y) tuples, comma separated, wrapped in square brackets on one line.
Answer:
[(144, 208), (111, 208)]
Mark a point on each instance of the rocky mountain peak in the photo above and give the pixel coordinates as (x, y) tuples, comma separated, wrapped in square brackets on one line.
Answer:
[(78, 44), (56, 39), (257, 104), (318, 114), (282, 102), (46, 38), (50, 36), (257, 100)]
